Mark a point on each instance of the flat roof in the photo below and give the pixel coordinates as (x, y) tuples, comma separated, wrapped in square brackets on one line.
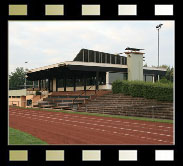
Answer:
[(89, 64), (155, 68), (78, 63)]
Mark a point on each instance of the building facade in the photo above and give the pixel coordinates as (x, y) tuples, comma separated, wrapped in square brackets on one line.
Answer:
[(93, 70)]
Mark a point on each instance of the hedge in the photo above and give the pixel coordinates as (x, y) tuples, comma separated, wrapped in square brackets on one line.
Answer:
[(149, 90)]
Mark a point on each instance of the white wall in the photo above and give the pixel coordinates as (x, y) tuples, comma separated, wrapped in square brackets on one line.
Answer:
[(135, 66)]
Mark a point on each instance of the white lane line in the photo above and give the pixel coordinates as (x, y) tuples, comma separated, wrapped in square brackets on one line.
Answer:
[(106, 126), (68, 120), (71, 116), (106, 131)]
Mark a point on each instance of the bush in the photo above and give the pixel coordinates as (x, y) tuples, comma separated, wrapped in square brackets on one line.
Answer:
[(164, 81), (136, 88), (125, 87), (149, 90), (117, 87)]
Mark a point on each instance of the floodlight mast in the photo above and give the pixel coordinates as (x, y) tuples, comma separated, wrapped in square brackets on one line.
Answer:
[(158, 27)]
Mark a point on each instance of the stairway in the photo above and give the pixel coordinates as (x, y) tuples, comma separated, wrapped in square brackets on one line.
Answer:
[(119, 104), (69, 100)]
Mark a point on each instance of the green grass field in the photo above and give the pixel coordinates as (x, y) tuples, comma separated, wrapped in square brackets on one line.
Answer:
[(105, 115), (17, 137)]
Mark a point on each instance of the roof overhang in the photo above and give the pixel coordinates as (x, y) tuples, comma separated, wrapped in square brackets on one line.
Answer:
[(154, 70), (84, 66)]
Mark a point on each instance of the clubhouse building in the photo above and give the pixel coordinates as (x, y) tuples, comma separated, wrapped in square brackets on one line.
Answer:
[(93, 70)]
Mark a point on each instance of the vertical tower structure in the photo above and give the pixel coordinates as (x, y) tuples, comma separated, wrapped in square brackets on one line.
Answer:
[(135, 65)]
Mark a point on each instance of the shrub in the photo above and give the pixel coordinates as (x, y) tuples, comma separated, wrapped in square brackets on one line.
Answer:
[(117, 87), (149, 90), (125, 87), (164, 81), (136, 88)]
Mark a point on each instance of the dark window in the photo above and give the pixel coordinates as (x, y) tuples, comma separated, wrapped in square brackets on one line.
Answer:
[(90, 81), (91, 56), (103, 57), (113, 59), (108, 58), (118, 59), (97, 57), (60, 83), (79, 82), (70, 83), (102, 78), (125, 76)]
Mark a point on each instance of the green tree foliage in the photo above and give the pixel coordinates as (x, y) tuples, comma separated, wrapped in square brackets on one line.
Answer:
[(169, 74), (17, 78)]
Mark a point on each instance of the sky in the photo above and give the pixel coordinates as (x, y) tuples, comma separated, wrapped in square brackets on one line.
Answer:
[(44, 43)]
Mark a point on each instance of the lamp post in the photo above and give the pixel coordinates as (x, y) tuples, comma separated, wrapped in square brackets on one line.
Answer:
[(158, 27)]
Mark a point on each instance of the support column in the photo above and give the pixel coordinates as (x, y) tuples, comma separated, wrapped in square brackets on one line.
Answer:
[(54, 85), (65, 83), (48, 85), (158, 77), (51, 85), (96, 83), (85, 84), (108, 86), (153, 78), (74, 84), (39, 84), (44, 84)]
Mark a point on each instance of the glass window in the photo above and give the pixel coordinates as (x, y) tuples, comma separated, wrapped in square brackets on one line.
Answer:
[(60, 83), (79, 82), (69, 82)]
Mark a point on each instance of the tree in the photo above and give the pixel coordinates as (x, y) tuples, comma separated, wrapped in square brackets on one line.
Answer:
[(169, 74), (17, 78), (161, 66), (145, 65)]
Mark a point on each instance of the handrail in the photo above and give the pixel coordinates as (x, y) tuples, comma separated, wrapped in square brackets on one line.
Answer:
[(83, 93)]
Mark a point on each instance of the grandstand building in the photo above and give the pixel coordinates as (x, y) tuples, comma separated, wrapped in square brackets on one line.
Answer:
[(93, 70)]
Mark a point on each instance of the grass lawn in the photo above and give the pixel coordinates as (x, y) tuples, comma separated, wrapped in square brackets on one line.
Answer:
[(17, 137), (105, 115)]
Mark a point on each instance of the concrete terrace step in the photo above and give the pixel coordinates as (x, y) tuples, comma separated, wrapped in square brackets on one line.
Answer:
[(119, 104)]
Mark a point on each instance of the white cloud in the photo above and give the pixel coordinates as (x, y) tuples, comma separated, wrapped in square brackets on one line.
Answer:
[(47, 42)]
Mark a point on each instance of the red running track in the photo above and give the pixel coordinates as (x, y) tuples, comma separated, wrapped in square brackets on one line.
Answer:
[(63, 128)]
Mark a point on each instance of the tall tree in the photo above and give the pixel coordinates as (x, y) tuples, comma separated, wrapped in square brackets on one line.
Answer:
[(169, 74), (17, 78)]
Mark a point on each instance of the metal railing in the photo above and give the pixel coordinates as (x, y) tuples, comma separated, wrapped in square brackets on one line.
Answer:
[(81, 95)]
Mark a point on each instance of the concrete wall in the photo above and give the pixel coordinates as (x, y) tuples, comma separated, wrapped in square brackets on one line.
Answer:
[(21, 92), (135, 66), (21, 102)]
